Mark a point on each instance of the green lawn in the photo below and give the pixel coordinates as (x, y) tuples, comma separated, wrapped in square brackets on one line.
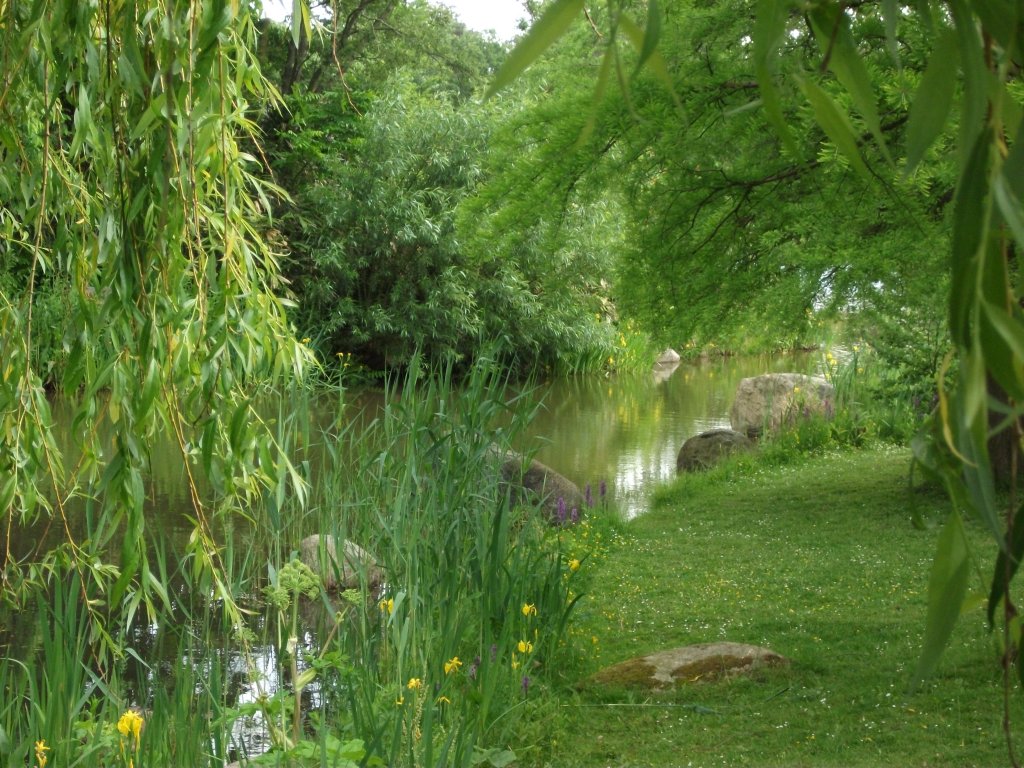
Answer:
[(819, 562)]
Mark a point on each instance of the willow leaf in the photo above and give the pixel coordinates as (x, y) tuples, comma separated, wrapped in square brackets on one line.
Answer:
[(1006, 566), (933, 100), (946, 591), (652, 33), (891, 14), (600, 88), (1013, 166), (769, 30), (1009, 206), (1002, 340), (546, 30), (970, 221), (835, 124), (832, 28), (655, 62)]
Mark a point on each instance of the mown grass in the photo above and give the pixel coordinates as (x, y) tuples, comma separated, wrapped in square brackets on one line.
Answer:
[(818, 560)]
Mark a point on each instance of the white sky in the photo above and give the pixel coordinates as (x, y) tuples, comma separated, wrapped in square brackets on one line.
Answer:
[(481, 15)]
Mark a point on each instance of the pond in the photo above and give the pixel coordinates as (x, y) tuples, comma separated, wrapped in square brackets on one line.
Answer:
[(628, 431), (623, 430)]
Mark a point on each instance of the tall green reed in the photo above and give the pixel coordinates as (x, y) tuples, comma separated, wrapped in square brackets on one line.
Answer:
[(476, 591), (433, 666)]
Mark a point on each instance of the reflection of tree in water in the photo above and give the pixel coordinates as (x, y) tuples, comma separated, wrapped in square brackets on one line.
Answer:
[(628, 429)]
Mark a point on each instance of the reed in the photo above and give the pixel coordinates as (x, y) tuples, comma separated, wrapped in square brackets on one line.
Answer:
[(435, 666)]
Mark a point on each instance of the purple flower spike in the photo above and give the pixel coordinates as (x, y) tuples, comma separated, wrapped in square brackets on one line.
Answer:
[(589, 496), (561, 509), (603, 489), (526, 684), (574, 516)]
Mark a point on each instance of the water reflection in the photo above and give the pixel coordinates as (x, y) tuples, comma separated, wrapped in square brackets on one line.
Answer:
[(628, 430)]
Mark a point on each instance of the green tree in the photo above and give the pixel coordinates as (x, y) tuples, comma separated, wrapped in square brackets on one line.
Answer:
[(729, 236), (123, 179), (395, 241), (970, 52), (376, 263)]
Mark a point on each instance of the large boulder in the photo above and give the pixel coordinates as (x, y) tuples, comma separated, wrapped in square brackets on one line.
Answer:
[(558, 497), (705, 450), (668, 357), (699, 663), (766, 403), (347, 571)]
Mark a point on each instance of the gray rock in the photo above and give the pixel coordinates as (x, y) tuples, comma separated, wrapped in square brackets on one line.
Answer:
[(537, 483), (705, 450), (699, 663), (768, 402), (668, 357), (347, 572)]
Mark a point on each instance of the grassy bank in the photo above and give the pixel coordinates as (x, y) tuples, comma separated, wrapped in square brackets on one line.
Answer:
[(818, 561)]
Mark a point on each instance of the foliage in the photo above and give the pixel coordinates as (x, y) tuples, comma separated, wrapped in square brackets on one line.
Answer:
[(395, 253), (124, 190), (436, 666), (479, 593), (381, 272), (729, 237), (981, 43)]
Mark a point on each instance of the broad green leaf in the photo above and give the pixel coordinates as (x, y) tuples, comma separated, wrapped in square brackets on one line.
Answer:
[(1012, 112), (1006, 565), (1002, 341), (970, 222), (832, 29), (891, 14), (1013, 165), (924, 13), (546, 30), (216, 17), (835, 124), (971, 428), (993, 278), (1017, 633), (769, 30), (974, 103), (1009, 206), (946, 590), (933, 100), (600, 88), (652, 33), (300, 21), (972, 602), (155, 109), (84, 126), (150, 389), (239, 426), (999, 19)]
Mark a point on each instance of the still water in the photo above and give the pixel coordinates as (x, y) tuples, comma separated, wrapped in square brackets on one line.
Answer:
[(628, 431), (623, 430)]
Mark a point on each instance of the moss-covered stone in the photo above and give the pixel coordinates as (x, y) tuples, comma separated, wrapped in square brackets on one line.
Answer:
[(703, 662)]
